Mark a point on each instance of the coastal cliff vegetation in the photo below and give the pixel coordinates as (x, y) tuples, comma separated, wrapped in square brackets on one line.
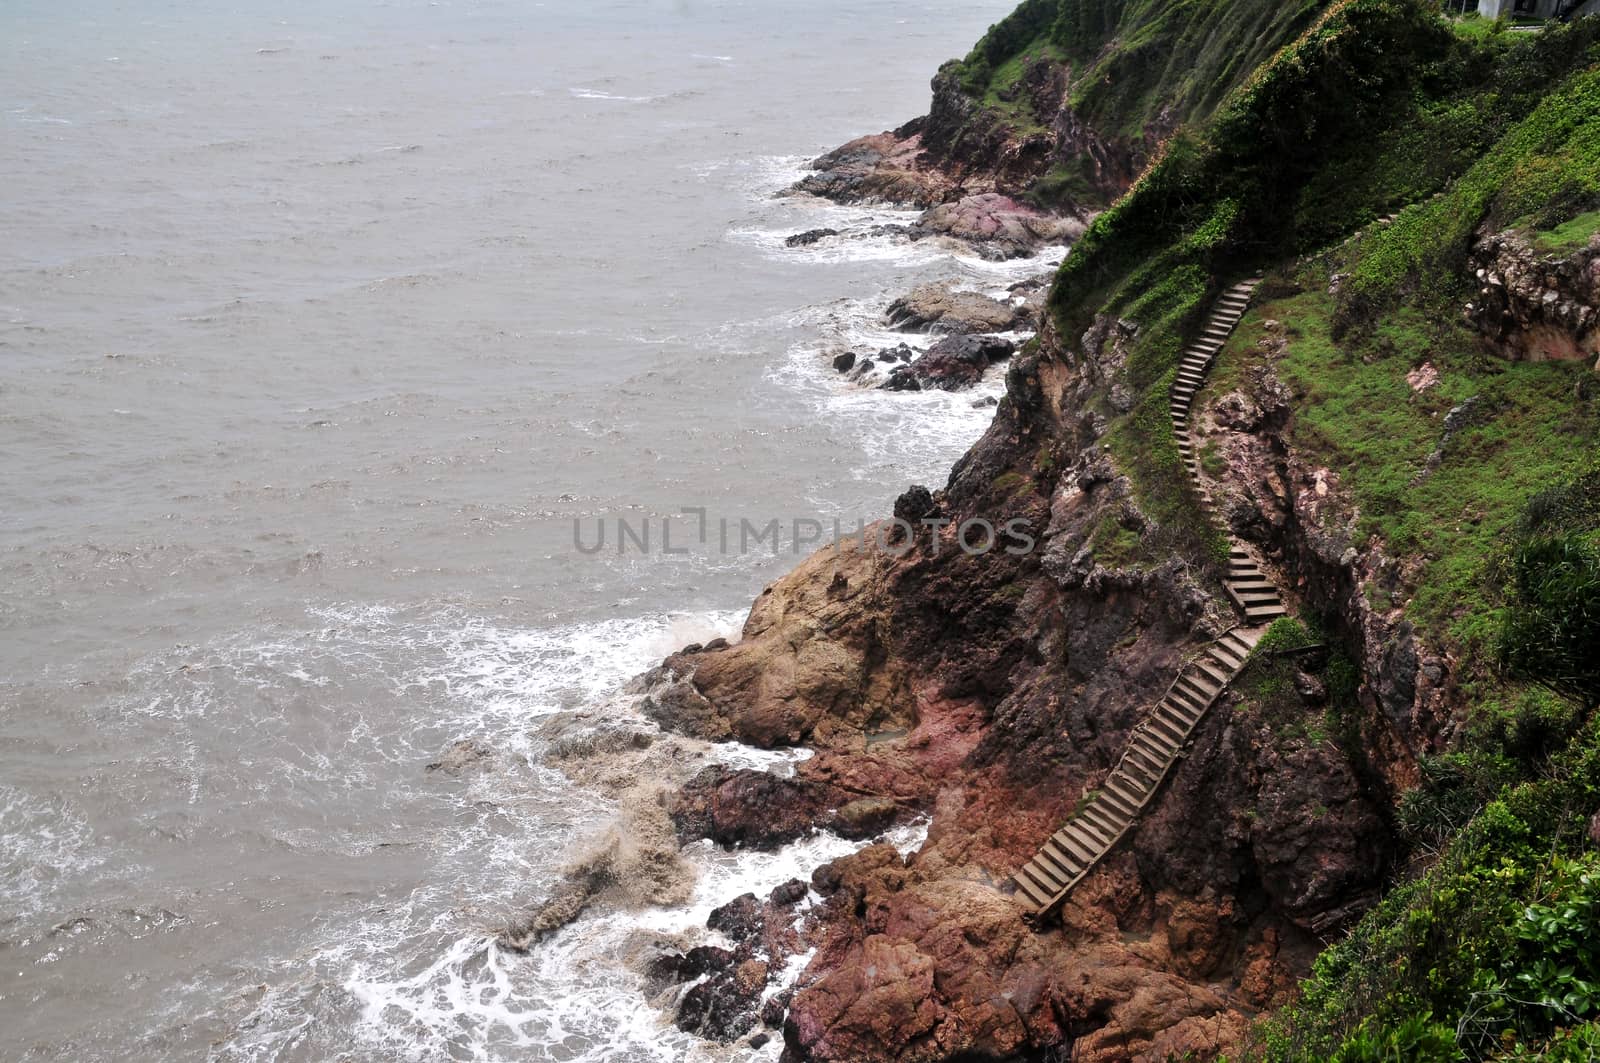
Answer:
[(1383, 840)]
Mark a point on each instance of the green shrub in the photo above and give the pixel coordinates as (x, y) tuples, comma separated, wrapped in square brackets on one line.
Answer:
[(1551, 630)]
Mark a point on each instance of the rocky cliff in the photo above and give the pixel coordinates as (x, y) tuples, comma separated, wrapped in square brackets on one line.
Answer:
[(991, 693), (1371, 442)]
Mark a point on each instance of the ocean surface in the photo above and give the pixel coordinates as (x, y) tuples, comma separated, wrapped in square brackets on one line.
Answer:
[(320, 325)]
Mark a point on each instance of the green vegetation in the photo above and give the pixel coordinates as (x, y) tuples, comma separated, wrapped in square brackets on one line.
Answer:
[(1267, 691), (1498, 942), (1569, 236), (1282, 134), (1439, 474), (1445, 451), (1139, 66), (1114, 544)]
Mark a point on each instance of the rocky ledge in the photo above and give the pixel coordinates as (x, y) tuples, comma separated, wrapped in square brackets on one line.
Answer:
[(1537, 305)]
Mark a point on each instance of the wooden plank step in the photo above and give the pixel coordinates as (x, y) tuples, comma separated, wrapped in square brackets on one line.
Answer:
[(1227, 657), (1079, 849), (1265, 613), (1166, 729), (1041, 883), (1060, 868), (1096, 834), (1116, 803), (1126, 792), (1039, 895), (1025, 898), (1189, 698), (1095, 815), (1139, 774)]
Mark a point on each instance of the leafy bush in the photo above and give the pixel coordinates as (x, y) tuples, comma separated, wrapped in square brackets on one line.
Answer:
[(1551, 632)]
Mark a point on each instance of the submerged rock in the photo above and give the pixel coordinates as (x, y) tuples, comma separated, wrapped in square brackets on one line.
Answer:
[(809, 237), (952, 364)]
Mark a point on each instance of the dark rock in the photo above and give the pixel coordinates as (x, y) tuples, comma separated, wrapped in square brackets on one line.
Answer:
[(749, 808), (809, 237), (716, 1010), (844, 360), (773, 1010), (760, 1040), (788, 893), (740, 918), (704, 959), (1310, 688), (914, 503), (953, 363)]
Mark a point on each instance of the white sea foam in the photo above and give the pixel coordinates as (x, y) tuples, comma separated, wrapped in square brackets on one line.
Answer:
[(43, 843), (574, 997), (421, 969), (596, 94)]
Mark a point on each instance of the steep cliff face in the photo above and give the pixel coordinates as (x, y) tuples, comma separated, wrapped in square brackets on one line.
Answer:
[(1063, 103), (1368, 439)]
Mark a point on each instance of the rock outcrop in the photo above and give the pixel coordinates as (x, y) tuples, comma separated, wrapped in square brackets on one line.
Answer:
[(990, 691), (951, 364), (1537, 305), (941, 307), (997, 225)]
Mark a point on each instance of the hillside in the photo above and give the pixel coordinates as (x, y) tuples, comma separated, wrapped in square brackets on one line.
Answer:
[(1380, 841)]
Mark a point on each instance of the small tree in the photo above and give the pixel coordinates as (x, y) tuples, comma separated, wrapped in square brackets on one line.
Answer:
[(1551, 631)]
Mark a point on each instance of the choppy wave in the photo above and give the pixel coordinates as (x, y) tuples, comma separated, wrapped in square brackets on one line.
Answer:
[(420, 972)]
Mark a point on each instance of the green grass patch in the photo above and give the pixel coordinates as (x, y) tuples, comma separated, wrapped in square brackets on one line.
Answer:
[(1569, 236), (1442, 489)]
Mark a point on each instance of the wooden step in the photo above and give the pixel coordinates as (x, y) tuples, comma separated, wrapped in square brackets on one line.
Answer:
[(1265, 613), (1039, 897), (1159, 739), (1165, 729), (1093, 832), (1117, 803), (1188, 697), (1126, 792), (1138, 773), (1101, 816), (1034, 901), (1035, 882), (1227, 657), (1085, 853), (1063, 870)]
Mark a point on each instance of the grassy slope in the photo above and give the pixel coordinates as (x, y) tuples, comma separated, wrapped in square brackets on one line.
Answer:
[(1378, 105), (1137, 66)]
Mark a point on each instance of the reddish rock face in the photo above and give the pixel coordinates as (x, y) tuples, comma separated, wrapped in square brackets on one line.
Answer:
[(990, 694)]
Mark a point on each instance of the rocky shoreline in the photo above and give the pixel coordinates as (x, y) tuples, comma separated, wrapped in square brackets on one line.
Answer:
[(989, 696)]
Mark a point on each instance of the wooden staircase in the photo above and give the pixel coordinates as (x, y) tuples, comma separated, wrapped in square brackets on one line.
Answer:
[(1255, 596), (1153, 747), (1158, 740)]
